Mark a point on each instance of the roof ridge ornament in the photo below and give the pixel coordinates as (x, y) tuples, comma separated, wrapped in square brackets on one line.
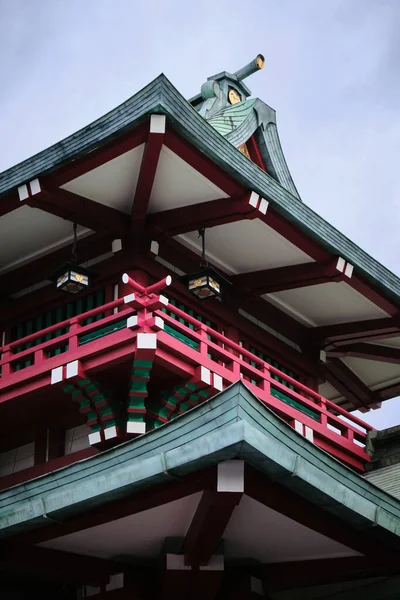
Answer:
[(224, 89)]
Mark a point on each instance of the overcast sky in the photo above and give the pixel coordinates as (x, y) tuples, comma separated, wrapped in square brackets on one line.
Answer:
[(332, 74)]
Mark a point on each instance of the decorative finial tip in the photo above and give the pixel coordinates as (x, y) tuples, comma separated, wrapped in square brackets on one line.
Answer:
[(255, 65)]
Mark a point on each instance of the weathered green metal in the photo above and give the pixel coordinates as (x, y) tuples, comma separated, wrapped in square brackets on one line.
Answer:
[(233, 424)]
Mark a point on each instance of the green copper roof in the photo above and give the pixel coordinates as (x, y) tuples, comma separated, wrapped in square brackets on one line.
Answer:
[(233, 424), (230, 118), (161, 97)]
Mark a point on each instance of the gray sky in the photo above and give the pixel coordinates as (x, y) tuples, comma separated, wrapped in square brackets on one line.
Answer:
[(332, 74)]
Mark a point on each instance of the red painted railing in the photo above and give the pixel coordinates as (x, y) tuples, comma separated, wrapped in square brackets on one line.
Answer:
[(322, 421)]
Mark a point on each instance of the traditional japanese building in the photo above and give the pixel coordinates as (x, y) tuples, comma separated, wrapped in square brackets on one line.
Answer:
[(184, 343)]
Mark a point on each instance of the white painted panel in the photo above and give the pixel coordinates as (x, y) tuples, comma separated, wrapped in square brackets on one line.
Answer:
[(246, 246), (38, 234), (326, 304), (178, 184), (142, 534), (76, 439), (374, 373), (113, 183), (265, 535), (17, 459)]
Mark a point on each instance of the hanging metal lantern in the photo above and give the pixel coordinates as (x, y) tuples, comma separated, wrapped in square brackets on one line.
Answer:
[(71, 277), (207, 282)]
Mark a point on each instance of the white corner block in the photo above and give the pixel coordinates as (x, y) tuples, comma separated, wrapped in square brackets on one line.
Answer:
[(116, 582), (256, 586), (157, 123), (135, 427), (340, 264), (56, 375), (163, 300), (309, 434), (322, 356), (217, 382), (129, 298), (216, 563), (94, 438), (263, 206), (23, 192), (110, 432), (159, 323), (116, 246), (132, 321), (147, 341), (205, 375), (176, 562), (35, 186), (349, 270), (72, 369), (231, 476), (154, 247), (298, 427), (253, 201)]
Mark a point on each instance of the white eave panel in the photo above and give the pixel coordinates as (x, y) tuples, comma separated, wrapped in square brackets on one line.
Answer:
[(243, 246), (28, 233), (326, 304), (375, 374), (113, 183), (178, 184)]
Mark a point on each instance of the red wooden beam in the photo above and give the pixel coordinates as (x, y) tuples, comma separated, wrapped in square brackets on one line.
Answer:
[(367, 351), (359, 331), (148, 170), (348, 384), (390, 391), (117, 509), (91, 159), (268, 281), (196, 216), (286, 502), (288, 575), (208, 525), (80, 210), (55, 564)]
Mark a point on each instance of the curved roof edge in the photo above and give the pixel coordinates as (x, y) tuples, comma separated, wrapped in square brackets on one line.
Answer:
[(233, 424), (160, 96)]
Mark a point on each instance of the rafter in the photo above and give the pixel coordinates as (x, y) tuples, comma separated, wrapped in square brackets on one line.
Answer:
[(347, 383), (122, 507), (359, 331), (206, 214), (208, 525), (368, 351), (78, 209), (148, 170), (55, 564), (322, 571), (268, 281)]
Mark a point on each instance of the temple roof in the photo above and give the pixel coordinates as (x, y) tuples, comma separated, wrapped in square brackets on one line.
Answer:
[(232, 425), (161, 97)]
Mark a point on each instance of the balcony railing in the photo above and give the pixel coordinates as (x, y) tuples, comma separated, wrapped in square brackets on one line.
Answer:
[(183, 343)]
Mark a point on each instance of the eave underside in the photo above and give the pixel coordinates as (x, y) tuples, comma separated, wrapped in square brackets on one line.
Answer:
[(151, 184)]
